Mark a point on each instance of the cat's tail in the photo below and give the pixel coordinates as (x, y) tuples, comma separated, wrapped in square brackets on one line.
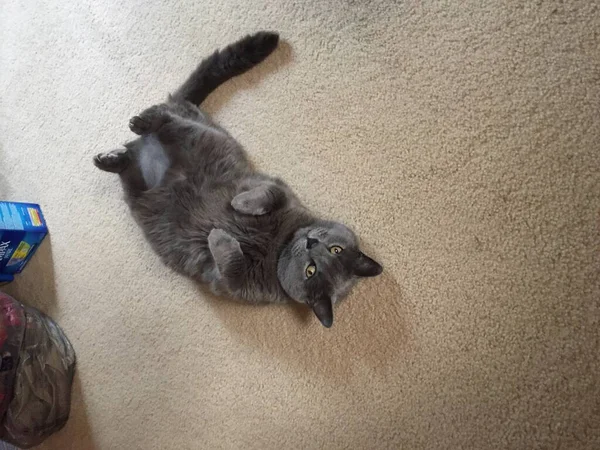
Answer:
[(222, 65)]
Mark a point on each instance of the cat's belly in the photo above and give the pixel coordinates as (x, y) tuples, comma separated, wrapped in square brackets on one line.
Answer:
[(177, 223)]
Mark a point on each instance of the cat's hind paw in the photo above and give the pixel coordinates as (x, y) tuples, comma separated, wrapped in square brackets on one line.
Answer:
[(139, 126), (149, 120), (115, 161)]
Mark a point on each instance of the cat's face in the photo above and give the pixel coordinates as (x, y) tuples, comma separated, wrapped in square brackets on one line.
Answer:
[(321, 264)]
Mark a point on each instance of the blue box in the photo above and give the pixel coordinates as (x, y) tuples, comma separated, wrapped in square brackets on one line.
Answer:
[(22, 229)]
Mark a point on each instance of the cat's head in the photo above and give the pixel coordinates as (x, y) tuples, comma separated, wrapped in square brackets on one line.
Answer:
[(320, 265)]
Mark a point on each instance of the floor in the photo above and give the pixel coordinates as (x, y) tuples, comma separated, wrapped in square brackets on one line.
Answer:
[(459, 139)]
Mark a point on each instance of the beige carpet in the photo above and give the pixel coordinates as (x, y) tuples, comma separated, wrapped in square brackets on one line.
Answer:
[(460, 140)]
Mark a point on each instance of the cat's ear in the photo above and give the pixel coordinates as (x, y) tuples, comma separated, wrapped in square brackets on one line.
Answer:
[(363, 266), (323, 309)]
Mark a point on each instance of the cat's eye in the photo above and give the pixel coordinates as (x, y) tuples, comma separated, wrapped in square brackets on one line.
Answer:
[(311, 269), (336, 249)]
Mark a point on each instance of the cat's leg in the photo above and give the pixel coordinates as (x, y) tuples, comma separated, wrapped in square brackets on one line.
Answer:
[(165, 122), (228, 256), (115, 161), (150, 120), (125, 162), (260, 200)]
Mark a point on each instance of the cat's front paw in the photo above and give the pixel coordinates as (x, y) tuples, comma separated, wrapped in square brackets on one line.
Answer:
[(246, 204), (228, 256), (220, 242)]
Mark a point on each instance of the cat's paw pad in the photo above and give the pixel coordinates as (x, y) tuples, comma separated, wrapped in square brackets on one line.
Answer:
[(115, 161), (139, 125)]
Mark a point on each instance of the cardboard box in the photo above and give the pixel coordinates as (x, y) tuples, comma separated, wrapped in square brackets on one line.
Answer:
[(22, 229)]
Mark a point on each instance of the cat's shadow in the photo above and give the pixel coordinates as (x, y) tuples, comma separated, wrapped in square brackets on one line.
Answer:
[(370, 330), (370, 327)]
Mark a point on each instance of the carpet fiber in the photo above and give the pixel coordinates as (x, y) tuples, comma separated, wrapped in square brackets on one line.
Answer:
[(459, 139)]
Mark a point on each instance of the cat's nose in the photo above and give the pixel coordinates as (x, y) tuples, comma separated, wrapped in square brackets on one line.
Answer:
[(310, 242)]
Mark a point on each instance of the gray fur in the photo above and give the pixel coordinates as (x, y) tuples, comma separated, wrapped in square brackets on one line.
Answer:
[(211, 217)]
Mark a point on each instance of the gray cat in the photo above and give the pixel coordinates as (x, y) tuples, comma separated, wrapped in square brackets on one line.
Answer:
[(212, 217)]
